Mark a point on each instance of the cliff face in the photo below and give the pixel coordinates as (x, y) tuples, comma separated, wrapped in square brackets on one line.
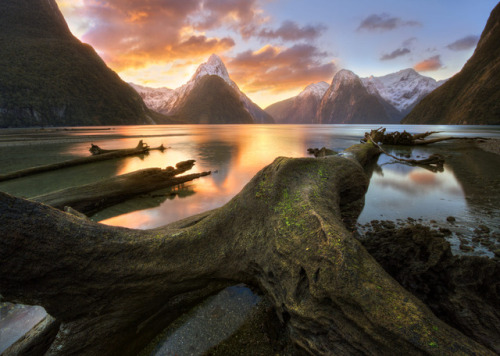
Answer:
[(473, 95), (49, 78)]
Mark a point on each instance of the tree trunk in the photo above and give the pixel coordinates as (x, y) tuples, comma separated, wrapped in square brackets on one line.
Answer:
[(112, 154), (91, 198), (113, 288)]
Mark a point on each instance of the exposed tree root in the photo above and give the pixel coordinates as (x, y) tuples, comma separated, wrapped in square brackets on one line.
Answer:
[(113, 289)]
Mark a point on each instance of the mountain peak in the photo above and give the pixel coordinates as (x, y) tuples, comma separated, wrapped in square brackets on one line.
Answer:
[(213, 66), (316, 89), (344, 75)]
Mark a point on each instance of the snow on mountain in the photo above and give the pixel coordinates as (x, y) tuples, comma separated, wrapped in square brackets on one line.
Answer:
[(157, 99), (403, 89), (348, 101), (300, 109), (167, 101), (315, 89)]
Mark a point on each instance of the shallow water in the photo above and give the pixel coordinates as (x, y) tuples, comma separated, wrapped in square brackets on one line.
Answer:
[(468, 188)]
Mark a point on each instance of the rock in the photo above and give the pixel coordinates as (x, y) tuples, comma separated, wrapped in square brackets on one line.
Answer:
[(451, 219), (466, 248), (464, 291)]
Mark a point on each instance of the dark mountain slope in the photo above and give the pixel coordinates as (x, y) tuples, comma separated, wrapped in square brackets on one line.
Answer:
[(473, 95), (49, 78), (213, 101)]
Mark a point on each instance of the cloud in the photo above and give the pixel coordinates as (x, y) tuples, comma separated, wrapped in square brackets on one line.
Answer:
[(463, 44), (384, 22), (136, 33), (395, 54), (277, 69), (430, 64), (290, 31), (243, 16)]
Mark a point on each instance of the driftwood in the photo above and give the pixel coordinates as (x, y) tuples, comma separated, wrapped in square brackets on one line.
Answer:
[(112, 154), (96, 150), (433, 163), (407, 139), (113, 288), (90, 198)]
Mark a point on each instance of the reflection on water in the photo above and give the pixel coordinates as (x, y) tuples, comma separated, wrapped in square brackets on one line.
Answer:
[(235, 153), (16, 320)]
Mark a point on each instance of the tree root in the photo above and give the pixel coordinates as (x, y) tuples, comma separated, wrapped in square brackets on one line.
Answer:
[(113, 288)]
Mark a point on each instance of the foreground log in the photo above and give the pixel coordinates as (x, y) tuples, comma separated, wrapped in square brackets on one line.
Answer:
[(113, 288), (140, 149), (90, 198)]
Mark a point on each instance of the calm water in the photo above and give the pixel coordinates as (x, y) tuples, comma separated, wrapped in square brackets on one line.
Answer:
[(468, 189)]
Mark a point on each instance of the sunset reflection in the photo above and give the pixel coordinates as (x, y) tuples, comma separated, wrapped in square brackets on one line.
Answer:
[(402, 191), (234, 154)]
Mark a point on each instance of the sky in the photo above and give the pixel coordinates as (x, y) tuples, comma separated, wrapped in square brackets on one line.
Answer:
[(274, 48)]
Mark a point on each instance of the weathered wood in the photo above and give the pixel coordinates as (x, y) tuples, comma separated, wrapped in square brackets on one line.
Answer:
[(407, 139), (434, 162), (90, 198), (37, 341), (113, 288), (140, 149), (96, 150)]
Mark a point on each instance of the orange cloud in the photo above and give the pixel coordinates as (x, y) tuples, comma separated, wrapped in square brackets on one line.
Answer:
[(136, 33), (277, 69), (430, 64)]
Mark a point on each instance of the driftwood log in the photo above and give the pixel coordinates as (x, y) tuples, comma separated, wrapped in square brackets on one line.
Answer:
[(113, 288), (407, 139), (112, 154), (96, 150), (90, 198)]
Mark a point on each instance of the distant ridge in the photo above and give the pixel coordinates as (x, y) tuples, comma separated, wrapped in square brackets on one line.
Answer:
[(49, 78), (472, 96), (380, 100)]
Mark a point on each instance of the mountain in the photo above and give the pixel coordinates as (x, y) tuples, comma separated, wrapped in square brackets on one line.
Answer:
[(49, 78), (212, 101), (348, 101), (403, 89), (170, 102), (472, 96), (300, 109)]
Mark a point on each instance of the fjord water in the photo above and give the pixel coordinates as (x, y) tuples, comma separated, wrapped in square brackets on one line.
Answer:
[(234, 153), (468, 188)]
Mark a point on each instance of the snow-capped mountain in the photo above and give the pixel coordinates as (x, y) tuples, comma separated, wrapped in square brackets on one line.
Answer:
[(156, 99), (403, 89), (348, 101), (300, 109), (169, 102)]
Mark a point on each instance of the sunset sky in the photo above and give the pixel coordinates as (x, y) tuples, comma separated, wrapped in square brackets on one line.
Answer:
[(274, 48)]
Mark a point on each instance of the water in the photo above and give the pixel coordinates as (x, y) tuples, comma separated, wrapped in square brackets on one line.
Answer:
[(468, 188)]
